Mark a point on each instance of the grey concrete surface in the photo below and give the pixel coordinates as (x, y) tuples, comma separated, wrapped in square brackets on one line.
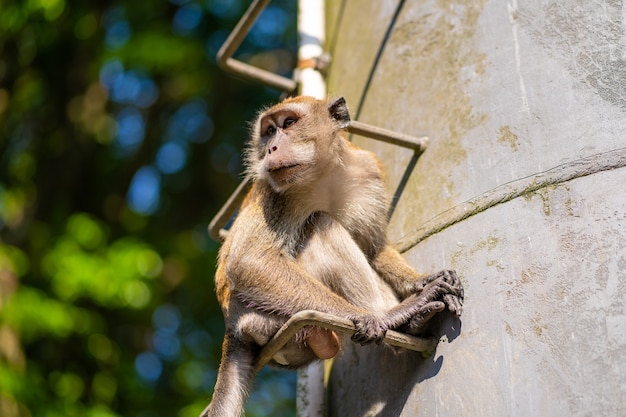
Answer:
[(522, 191)]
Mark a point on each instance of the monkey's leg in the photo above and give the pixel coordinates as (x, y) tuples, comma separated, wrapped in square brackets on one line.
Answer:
[(256, 328), (233, 380), (331, 255), (272, 280), (454, 302), (395, 270), (414, 312)]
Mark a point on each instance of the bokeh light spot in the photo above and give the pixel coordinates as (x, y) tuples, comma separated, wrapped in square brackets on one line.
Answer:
[(86, 231), (117, 34), (149, 263), (171, 157), (167, 344), (86, 26), (148, 93), (144, 192), (166, 317), (224, 9), (137, 294), (186, 19), (131, 130), (191, 123), (104, 387), (110, 71), (196, 375), (269, 27), (198, 342), (69, 386), (148, 366), (100, 346), (53, 8)]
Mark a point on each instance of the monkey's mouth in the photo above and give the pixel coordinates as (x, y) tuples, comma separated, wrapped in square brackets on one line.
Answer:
[(282, 168), (284, 174)]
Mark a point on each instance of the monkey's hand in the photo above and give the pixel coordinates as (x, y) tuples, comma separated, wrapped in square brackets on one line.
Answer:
[(369, 328), (438, 291)]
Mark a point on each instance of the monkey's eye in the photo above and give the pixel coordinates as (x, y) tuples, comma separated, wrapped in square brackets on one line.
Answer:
[(288, 122), (270, 130)]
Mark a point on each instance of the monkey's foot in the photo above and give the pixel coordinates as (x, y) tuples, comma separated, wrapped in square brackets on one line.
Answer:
[(451, 294), (440, 291)]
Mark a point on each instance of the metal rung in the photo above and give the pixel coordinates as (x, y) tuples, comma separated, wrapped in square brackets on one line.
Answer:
[(227, 63), (418, 144), (216, 226), (339, 324)]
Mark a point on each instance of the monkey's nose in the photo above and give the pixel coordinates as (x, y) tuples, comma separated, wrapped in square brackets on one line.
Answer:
[(273, 148)]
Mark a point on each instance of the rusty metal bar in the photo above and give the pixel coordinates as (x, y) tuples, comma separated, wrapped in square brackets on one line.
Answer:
[(229, 64), (388, 136), (216, 227), (339, 324)]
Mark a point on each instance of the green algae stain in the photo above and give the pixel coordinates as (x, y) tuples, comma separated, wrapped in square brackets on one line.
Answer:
[(544, 195), (508, 137), (434, 62), (487, 244), (441, 43)]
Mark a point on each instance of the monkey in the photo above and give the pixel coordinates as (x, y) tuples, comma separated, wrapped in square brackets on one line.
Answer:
[(311, 235)]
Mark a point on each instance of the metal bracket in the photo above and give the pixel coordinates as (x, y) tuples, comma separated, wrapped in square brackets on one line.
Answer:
[(229, 64)]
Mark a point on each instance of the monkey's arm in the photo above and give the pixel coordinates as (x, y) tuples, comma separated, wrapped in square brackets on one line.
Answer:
[(394, 269)]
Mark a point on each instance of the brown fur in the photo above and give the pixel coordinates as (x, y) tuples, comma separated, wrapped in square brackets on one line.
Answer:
[(311, 235)]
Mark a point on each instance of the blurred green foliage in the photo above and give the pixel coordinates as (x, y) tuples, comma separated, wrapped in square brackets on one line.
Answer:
[(119, 140)]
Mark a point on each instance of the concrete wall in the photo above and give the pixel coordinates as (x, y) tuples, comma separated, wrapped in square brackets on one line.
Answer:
[(522, 191)]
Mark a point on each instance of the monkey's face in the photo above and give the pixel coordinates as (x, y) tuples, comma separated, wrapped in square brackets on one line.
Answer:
[(286, 153), (285, 149), (285, 156), (294, 143)]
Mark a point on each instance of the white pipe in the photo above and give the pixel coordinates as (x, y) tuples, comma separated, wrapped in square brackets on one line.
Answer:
[(310, 393), (311, 46)]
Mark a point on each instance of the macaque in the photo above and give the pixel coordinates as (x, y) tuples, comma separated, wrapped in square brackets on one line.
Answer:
[(311, 235)]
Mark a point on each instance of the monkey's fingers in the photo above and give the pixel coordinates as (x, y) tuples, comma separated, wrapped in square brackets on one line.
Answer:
[(368, 329), (447, 275), (453, 279), (367, 338), (418, 322), (455, 304), (436, 290)]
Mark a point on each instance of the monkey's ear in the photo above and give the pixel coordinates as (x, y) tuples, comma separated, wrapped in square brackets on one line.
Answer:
[(339, 111)]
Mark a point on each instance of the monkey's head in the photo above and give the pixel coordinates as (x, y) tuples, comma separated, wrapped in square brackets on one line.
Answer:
[(296, 141)]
